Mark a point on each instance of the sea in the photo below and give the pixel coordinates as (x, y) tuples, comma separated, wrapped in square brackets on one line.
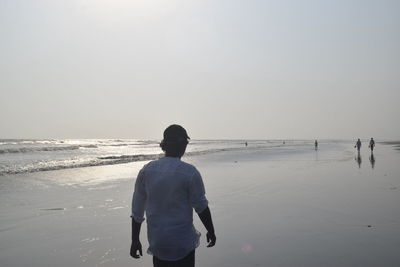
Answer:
[(19, 156), (67, 202)]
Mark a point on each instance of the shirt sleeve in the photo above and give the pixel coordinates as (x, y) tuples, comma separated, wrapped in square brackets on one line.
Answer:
[(139, 198), (197, 193)]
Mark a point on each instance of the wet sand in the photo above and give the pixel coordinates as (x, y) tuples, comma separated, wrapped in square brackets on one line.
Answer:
[(317, 208)]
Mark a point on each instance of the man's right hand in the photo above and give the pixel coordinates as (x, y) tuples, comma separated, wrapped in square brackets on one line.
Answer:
[(136, 247), (211, 239)]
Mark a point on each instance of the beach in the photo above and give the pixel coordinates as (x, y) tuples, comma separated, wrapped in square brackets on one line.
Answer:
[(272, 206)]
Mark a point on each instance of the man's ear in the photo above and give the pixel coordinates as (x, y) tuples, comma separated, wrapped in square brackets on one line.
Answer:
[(162, 145)]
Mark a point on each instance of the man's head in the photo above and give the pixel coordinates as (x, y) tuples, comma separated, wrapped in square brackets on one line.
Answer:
[(175, 141)]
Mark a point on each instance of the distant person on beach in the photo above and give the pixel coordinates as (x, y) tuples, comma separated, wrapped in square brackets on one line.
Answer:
[(372, 144), (168, 190), (245, 143), (358, 145), (316, 144)]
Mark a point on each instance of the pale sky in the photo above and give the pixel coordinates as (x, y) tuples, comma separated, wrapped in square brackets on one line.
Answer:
[(222, 69)]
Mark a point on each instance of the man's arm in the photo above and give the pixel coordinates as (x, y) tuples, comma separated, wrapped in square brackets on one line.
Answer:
[(205, 217), (138, 209), (136, 245)]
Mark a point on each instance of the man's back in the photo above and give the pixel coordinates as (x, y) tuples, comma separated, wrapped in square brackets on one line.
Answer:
[(168, 182), (168, 190), (172, 189)]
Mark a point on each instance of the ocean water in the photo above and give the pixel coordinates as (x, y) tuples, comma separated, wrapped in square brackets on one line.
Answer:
[(273, 204), (27, 155)]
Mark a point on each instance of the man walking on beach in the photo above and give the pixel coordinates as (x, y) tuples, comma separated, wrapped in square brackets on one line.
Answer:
[(358, 145), (168, 190), (372, 144)]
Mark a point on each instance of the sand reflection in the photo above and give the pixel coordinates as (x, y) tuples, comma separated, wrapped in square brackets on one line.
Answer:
[(372, 160), (358, 159)]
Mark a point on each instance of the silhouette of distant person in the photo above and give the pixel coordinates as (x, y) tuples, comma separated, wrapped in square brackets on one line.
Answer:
[(245, 143), (372, 145), (316, 144), (358, 145), (168, 190), (372, 160)]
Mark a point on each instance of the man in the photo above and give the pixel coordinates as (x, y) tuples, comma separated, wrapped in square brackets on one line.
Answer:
[(358, 145), (372, 144), (168, 190)]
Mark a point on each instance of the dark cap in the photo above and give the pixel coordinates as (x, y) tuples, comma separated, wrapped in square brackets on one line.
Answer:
[(175, 133)]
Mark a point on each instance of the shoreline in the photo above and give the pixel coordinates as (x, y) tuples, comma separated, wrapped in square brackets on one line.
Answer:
[(314, 208)]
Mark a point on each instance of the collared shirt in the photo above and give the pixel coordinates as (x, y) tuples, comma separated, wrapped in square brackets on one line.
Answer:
[(168, 190)]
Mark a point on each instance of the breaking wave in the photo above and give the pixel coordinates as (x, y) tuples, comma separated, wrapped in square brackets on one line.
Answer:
[(40, 149), (99, 161)]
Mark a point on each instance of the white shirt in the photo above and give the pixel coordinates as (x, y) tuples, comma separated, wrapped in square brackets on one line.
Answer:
[(168, 190)]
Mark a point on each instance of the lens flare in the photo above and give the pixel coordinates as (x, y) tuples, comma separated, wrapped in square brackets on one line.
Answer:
[(246, 248)]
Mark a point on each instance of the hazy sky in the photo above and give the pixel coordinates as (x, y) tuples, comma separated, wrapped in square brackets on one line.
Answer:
[(222, 69)]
